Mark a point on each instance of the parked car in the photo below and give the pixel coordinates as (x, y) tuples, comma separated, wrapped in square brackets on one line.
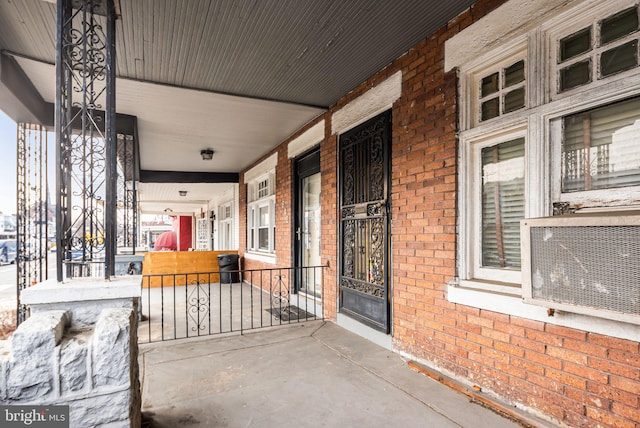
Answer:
[(8, 251)]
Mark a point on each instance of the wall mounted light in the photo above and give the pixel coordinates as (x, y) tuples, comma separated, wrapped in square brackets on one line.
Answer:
[(182, 192), (207, 154)]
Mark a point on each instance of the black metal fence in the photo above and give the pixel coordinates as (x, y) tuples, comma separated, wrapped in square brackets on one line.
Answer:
[(179, 306)]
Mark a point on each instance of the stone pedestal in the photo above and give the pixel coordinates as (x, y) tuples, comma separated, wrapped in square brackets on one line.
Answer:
[(78, 348)]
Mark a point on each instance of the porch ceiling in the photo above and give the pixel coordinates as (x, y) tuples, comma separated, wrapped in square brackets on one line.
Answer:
[(237, 76)]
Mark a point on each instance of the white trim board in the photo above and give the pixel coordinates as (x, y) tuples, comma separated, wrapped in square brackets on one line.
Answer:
[(368, 105), (306, 140)]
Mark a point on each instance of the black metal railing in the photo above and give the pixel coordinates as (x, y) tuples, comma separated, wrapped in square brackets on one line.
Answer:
[(179, 306)]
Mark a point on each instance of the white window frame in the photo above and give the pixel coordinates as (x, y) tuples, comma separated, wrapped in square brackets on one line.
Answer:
[(226, 225), (613, 197), (476, 270), (261, 196), (570, 22), (471, 82), (540, 123), (265, 170)]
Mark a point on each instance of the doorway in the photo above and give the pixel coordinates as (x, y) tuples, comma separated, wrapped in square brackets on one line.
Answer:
[(364, 166), (307, 223)]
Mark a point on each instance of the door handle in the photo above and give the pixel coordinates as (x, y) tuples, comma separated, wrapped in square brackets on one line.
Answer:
[(299, 233)]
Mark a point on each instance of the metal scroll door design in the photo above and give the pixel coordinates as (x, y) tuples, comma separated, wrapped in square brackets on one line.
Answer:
[(364, 173)]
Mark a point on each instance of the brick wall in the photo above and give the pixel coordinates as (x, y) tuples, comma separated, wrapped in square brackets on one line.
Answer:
[(329, 228), (579, 378)]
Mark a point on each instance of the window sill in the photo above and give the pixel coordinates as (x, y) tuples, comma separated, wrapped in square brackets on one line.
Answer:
[(264, 258), (507, 288), (510, 304)]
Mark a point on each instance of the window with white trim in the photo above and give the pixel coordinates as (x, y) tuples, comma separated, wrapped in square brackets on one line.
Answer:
[(225, 218), (567, 137), (497, 182), (502, 91), (497, 87), (602, 49), (261, 225), (600, 148)]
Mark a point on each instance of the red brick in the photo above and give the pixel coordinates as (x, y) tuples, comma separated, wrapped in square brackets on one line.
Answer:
[(477, 320), (543, 359), (625, 384), (509, 328), (609, 419), (528, 365), (586, 372), (563, 401), (528, 344), (629, 358), (469, 346), (566, 332), (567, 355), (509, 349), (615, 343), (545, 382), (566, 379), (495, 335), (539, 336), (588, 399), (614, 394), (578, 420), (630, 413), (511, 370), (585, 348), (528, 324)]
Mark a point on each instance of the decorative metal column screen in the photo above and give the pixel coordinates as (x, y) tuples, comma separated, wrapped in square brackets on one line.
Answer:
[(33, 216), (127, 202), (85, 137)]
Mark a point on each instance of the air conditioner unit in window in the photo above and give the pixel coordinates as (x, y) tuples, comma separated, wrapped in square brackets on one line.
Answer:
[(584, 263)]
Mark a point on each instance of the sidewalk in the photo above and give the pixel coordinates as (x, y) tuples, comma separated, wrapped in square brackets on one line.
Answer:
[(314, 374)]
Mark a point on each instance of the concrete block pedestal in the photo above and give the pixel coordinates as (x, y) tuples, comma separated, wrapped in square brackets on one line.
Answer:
[(78, 348)]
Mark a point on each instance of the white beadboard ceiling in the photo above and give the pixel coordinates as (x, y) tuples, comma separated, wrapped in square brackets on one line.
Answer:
[(174, 124), (236, 76)]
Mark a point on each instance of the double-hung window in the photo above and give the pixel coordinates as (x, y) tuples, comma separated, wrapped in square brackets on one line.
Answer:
[(494, 168), (550, 122), (261, 215), (261, 210), (225, 216)]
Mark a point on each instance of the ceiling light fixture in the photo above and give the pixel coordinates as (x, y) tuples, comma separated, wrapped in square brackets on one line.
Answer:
[(207, 154), (182, 192)]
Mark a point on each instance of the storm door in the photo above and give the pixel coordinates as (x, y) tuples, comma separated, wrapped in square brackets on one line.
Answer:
[(307, 227), (364, 222)]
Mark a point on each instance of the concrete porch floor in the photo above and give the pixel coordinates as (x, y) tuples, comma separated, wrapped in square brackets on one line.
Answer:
[(314, 374)]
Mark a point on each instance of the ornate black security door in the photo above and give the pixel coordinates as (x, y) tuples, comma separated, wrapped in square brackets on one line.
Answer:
[(364, 230)]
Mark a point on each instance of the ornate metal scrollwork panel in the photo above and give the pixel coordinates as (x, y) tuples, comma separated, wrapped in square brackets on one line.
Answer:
[(85, 135), (198, 306), (363, 287), (364, 169), (127, 192), (33, 217), (363, 158)]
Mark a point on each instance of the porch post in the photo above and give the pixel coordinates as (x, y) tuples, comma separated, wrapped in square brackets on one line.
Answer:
[(86, 215)]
